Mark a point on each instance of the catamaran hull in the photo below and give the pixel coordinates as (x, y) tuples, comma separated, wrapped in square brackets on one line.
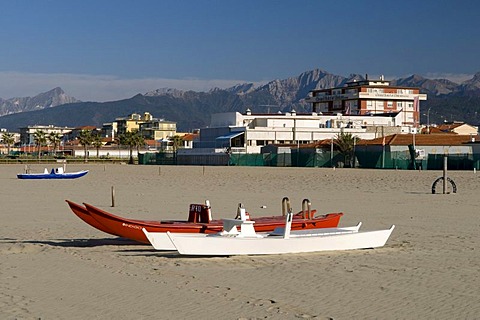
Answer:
[(82, 212), (217, 245), (161, 240), (132, 229)]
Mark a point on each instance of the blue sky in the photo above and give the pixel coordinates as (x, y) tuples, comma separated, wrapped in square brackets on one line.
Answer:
[(107, 50)]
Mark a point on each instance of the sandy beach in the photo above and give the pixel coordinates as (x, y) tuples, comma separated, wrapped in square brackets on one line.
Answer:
[(54, 266)]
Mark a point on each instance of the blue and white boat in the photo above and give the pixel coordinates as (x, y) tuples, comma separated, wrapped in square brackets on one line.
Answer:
[(56, 173)]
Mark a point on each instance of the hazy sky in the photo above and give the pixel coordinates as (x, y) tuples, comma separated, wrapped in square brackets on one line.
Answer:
[(107, 50)]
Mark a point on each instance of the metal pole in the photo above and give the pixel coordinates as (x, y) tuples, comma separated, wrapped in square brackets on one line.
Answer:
[(331, 152), (428, 120), (445, 159), (383, 156), (113, 196)]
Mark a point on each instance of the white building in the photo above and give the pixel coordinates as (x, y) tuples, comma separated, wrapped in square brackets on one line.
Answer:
[(27, 134), (248, 133)]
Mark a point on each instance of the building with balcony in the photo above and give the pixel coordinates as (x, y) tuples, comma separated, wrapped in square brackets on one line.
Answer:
[(367, 97), (249, 132), (27, 134), (158, 129), (132, 122)]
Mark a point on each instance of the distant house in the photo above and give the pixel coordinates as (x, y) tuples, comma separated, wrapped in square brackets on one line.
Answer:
[(189, 138), (458, 128)]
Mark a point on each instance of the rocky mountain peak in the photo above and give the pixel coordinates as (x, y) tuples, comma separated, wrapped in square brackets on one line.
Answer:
[(176, 93), (474, 82), (52, 98)]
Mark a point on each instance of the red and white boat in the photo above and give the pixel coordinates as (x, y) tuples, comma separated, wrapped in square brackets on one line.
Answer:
[(199, 221)]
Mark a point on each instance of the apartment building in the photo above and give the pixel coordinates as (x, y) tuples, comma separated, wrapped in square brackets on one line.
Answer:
[(132, 122), (367, 97), (27, 134)]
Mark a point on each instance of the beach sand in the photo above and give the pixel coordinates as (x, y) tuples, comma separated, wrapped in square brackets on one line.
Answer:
[(55, 266)]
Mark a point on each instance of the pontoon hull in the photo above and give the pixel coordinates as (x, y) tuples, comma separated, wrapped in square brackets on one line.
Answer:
[(217, 245), (161, 240)]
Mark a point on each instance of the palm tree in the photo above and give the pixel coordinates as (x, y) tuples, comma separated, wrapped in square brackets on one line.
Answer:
[(138, 141), (40, 140), (85, 139), (9, 140), (177, 142), (97, 141), (345, 144), (131, 139), (54, 138)]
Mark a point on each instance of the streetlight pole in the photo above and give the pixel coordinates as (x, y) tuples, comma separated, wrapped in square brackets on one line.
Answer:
[(428, 120)]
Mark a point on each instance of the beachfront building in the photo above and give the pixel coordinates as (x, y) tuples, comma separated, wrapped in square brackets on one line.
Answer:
[(27, 134), (149, 127), (158, 129), (109, 130), (132, 122), (369, 97), (248, 132)]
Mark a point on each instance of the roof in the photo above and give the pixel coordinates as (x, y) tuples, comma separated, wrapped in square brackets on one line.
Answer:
[(421, 139), (86, 128), (190, 136), (230, 136)]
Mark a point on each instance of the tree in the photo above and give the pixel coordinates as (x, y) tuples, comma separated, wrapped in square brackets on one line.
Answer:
[(8, 139), (131, 139), (54, 138), (177, 142), (85, 139), (97, 141), (345, 144), (40, 140)]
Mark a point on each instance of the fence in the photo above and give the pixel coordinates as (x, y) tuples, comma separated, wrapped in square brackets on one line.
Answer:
[(401, 160)]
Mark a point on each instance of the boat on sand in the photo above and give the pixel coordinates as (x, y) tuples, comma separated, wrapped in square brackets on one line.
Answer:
[(199, 221), (55, 173), (231, 241), (161, 240)]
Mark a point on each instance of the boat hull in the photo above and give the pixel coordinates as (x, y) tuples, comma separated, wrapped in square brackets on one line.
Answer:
[(132, 229), (161, 240), (82, 212), (36, 176), (217, 245)]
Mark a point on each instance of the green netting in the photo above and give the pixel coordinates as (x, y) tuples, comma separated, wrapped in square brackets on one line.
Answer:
[(401, 160), (247, 160)]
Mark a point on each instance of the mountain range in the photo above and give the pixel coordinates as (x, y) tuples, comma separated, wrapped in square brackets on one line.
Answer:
[(447, 101)]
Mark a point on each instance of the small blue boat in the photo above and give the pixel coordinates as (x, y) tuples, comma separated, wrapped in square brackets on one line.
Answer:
[(54, 174)]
